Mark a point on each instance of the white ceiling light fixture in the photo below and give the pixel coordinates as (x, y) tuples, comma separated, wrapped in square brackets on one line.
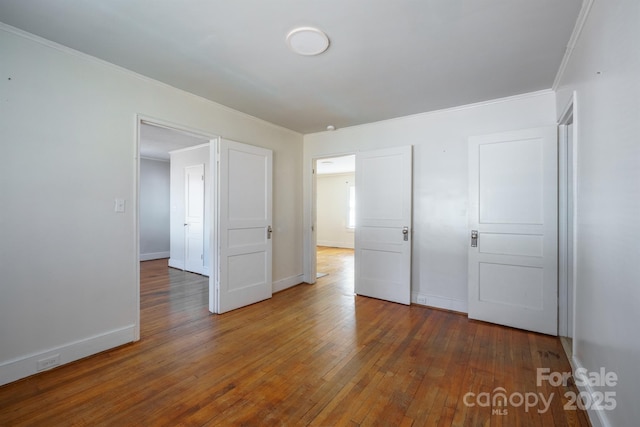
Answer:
[(307, 41)]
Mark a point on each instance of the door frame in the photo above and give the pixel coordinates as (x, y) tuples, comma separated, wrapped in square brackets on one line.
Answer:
[(311, 231), (567, 116), (213, 150)]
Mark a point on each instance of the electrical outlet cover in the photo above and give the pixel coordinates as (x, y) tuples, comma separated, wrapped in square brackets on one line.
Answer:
[(48, 362)]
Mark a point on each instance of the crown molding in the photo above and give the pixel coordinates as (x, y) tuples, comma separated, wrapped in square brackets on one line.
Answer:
[(575, 35)]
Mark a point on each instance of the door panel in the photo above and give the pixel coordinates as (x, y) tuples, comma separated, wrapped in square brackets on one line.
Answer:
[(383, 224), (509, 170), (244, 207), (512, 285), (513, 208), (194, 218)]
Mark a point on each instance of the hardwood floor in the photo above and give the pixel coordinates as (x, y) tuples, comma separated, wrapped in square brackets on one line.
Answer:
[(312, 355)]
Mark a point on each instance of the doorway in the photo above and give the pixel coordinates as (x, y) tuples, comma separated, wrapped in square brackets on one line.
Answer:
[(334, 198), (382, 226), (155, 236), (174, 169)]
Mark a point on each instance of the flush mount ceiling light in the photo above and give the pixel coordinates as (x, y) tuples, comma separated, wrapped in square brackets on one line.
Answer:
[(307, 41)]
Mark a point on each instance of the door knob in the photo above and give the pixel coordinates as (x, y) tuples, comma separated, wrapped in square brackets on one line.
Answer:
[(474, 238), (405, 233)]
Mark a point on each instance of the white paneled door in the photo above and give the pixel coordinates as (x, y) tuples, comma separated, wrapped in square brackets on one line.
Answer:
[(194, 218), (513, 229), (383, 224), (244, 224)]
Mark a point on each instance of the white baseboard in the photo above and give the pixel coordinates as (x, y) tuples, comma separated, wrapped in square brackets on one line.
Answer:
[(596, 417), (287, 283), (179, 264), (440, 302), (331, 244), (154, 255), (25, 366)]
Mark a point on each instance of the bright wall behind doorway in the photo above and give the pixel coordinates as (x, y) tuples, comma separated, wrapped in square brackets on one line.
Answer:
[(332, 192)]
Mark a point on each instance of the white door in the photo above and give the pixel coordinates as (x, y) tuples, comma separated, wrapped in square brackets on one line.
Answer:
[(244, 218), (513, 212), (194, 218), (383, 224)]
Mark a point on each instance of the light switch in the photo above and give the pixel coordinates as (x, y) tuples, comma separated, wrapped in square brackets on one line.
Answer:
[(119, 205)]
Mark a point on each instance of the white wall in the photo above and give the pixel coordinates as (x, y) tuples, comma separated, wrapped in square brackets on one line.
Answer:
[(440, 232), (604, 70), (68, 142), (332, 195), (154, 209), (179, 160)]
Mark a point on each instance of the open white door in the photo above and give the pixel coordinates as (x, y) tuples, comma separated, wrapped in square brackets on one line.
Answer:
[(513, 267), (383, 224), (244, 218), (194, 218)]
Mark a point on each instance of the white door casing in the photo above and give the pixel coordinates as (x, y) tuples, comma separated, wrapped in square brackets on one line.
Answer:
[(569, 223), (245, 225), (194, 218), (383, 224), (513, 207), (566, 237)]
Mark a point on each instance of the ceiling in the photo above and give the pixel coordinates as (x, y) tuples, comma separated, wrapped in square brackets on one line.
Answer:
[(386, 58), (156, 142)]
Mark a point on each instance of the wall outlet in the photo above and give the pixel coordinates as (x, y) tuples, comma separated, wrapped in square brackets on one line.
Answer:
[(422, 300), (48, 362)]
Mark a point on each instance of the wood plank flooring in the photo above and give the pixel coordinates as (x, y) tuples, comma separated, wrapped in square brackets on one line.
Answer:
[(312, 355)]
